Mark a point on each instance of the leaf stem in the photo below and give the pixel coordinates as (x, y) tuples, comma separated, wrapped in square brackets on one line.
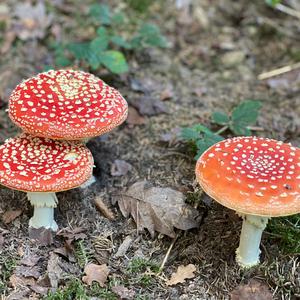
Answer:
[(224, 128)]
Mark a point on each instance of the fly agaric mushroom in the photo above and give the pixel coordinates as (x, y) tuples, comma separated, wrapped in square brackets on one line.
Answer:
[(66, 104), (41, 167), (259, 178)]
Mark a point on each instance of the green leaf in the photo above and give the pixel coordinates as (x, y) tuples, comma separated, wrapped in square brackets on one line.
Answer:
[(120, 41), (149, 35), (195, 132), (100, 43), (272, 2), (207, 141), (118, 19), (114, 61), (220, 118), (79, 50), (62, 61), (93, 60), (244, 115), (101, 12), (189, 134)]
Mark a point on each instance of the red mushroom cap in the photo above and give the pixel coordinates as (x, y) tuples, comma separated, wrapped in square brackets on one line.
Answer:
[(66, 104), (252, 175), (33, 164)]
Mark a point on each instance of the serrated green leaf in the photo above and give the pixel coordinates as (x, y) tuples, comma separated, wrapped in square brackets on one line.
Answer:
[(244, 115), (240, 130), (114, 61), (120, 41), (272, 2), (62, 61), (93, 60), (79, 50), (101, 12), (100, 43), (207, 141), (149, 35), (189, 134), (220, 118), (118, 18)]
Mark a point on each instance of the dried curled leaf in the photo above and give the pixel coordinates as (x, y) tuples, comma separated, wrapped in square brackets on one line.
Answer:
[(182, 273), (254, 290), (157, 209), (96, 273)]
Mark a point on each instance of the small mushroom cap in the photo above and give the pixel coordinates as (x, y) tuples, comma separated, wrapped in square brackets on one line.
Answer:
[(252, 175), (33, 164), (66, 104)]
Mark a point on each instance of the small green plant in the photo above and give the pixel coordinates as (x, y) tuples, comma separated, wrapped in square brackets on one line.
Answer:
[(82, 253), (75, 289), (238, 122), (7, 265), (287, 231), (272, 2), (141, 271), (107, 49)]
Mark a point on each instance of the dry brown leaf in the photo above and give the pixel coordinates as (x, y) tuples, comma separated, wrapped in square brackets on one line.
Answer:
[(123, 292), (96, 273), (11, 215), (254, 290), (54, 270), (32, 21), (157, 209), (120, 167), (182, 273), (134, 118), (19, 281)]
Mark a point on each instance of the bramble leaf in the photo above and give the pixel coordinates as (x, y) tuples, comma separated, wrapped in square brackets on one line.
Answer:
[(114, 61), (220, 118), (101, 12), (244, 115), (207, 141)]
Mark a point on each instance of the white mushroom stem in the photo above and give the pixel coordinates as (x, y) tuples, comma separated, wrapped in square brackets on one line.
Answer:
[(247, 254), (43, 214)]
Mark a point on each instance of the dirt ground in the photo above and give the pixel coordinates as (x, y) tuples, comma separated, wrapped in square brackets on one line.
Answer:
[(212, 63)]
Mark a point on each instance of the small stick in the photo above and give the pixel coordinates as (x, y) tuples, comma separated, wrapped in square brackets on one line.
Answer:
[(104, 210), (287, 10), (167, 255), (278, 71)]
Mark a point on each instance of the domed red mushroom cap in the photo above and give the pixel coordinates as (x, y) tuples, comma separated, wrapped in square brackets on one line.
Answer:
[(252, 175), (33, 164), (66, 104)]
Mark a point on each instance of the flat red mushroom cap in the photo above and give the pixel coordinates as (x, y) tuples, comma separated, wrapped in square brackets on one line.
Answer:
[(252, 175), (33, 164), (66, 104)]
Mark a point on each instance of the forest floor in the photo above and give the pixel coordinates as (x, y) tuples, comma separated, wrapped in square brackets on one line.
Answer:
[(216, 52)]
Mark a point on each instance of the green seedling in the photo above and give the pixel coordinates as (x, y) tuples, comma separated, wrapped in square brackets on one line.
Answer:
[(111, 43), (238, 122), (287, 231), (82, 253), (141, 271), (75, 289), (7, 266)]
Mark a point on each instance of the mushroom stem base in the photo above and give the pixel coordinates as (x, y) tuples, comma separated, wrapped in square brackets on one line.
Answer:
[(43, 214), (247, 254)]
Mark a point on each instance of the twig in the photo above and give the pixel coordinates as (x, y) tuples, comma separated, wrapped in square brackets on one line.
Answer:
[(167, 255), (255, 128), (224, 128), (278, 71), (104, 210), (287, 10)]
